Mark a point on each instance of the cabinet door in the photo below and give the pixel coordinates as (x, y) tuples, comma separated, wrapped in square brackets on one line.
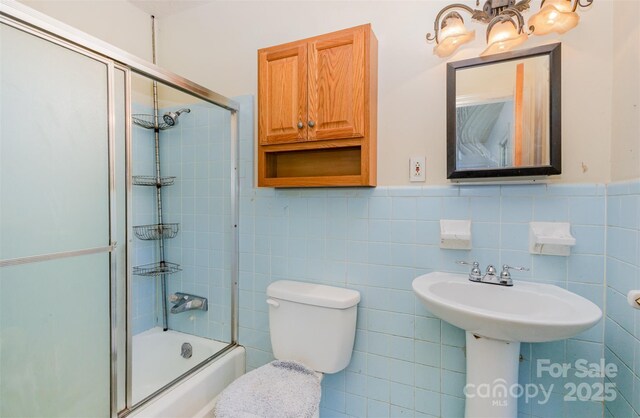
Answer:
[(282, 87), (337, 86)]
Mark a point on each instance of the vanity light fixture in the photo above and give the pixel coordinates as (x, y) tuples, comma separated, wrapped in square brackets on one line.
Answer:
[(506, 27)]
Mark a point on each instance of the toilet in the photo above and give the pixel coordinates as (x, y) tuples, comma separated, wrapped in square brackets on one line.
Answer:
[(312, 328)]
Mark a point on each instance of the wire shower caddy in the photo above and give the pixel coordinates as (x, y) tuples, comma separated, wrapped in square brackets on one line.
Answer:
[(156, 269), (148, 121), (156, 231), (153, 181)]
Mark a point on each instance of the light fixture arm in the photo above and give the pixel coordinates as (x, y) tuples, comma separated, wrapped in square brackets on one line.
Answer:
[(476, 14), (579, 3), (576, 3), (523, 5)]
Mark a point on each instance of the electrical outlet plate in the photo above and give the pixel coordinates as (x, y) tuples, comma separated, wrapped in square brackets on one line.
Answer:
[(417, 167)]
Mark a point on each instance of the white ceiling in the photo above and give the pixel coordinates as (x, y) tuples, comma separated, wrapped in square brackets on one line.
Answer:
[(162, 8)]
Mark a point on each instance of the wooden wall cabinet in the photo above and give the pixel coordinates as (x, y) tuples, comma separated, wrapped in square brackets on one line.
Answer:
[(317, 111)]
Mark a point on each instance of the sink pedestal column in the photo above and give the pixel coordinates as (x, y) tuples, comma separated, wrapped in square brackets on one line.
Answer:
[(492, 376)]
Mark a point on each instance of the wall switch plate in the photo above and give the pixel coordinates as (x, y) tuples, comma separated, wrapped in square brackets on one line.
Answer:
[(417, 167)]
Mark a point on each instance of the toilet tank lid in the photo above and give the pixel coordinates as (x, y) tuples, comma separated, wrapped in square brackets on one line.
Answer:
[(314, 294)]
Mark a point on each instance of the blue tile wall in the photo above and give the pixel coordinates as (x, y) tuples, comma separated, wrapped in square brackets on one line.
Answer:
[(622, 330), (197, 152), (405, 361)]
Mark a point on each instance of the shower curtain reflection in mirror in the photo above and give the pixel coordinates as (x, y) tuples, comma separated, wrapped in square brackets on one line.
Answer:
[(502, 115)]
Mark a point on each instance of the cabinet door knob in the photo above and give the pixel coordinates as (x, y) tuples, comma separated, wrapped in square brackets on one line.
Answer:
[(300, 125), (311, 124)]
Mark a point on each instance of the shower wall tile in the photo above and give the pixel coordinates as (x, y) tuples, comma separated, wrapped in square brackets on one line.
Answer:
[(406, 362), (210, 243), (622, 339)]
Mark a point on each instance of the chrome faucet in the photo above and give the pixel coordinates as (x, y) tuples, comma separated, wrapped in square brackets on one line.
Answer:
[(491, 276), (183, 302)]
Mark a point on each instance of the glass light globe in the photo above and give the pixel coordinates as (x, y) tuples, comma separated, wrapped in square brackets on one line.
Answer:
[(554, 16), (452, 35), (503, 37)]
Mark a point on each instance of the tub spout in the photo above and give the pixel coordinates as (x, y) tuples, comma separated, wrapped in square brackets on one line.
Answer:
[(183, 302)]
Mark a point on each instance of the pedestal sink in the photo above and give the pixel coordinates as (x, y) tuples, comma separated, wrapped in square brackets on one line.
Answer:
[(496, 320)]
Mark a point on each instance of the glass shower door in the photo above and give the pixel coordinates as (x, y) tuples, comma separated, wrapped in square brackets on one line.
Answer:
[(182, 176), (55, 230)]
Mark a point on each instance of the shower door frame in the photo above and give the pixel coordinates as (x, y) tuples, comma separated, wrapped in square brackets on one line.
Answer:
[(42, 26)]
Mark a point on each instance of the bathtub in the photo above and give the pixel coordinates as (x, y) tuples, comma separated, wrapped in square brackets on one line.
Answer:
[(157, 361)]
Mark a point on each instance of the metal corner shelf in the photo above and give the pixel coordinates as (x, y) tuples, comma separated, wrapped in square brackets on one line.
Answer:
[(156, 269), (153, 181), (148, 121), (156, 231)]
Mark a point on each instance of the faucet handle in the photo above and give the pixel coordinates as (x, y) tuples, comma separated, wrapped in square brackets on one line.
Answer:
[(505, 276), (506, 268), (475, 274)]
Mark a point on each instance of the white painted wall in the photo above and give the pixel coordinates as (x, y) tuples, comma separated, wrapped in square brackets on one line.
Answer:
[(215, 45), (625, 138), (118, 22)]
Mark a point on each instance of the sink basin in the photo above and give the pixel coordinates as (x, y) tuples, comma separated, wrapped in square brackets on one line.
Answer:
[(496, 320), (525, 312)]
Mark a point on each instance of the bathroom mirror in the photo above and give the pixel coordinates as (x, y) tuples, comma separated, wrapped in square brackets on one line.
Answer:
[(503, 115)]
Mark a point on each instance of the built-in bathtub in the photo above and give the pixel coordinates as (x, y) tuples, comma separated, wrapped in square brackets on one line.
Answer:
[(157, 361)]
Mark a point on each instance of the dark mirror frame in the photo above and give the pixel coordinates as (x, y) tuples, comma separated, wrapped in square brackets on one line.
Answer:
[(555, 131)]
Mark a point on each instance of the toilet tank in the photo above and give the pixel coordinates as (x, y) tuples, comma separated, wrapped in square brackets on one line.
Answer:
[(313, 324)]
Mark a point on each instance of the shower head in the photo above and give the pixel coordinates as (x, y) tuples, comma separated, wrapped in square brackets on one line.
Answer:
[(171, 118)]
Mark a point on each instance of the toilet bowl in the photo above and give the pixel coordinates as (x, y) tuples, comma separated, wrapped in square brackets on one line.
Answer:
[(312, 329)]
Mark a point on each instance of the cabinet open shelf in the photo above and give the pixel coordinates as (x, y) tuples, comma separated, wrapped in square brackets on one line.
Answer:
[(314, 168), (314, 163)]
